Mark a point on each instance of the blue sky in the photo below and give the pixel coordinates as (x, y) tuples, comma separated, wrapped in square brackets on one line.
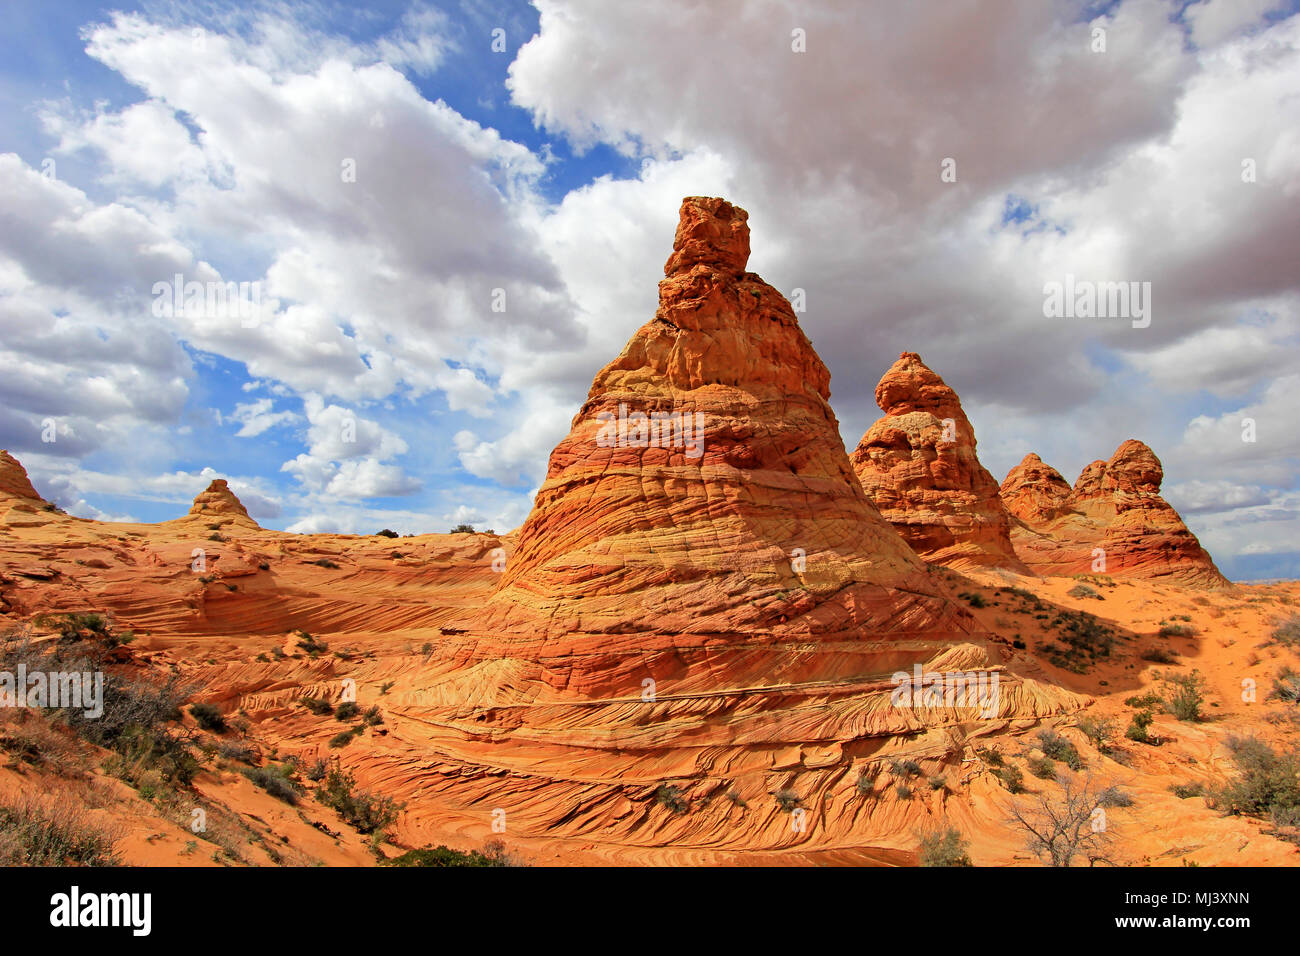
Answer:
[(207, 139)]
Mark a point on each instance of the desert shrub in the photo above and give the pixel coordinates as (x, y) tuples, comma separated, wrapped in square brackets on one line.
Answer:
[(346, 710), (866, 780), (236, 751), (1011, 778), (463, 529), (1286, 686), (1159, 655), (372, 717), (1186, 694), (444, 856), (788, 800), (1139, 728), (1177, 630), (1287, 633), (325, 563), (386, 533), (1113, 796), (902, 791), (1269, 781), (1100, 731), (37, 831), (938, 782), (666, 795), (1083, 591), (1058, 748), (1084, 638), (1184, 790), (151, 760), (316, 772), (991, 757), (905, 768), (343, 738), (1058, 827), (321, 708), (309, 645), (737, 799), (944, 848), (1146, 701), (1042, 767), (365, 811), (275, 780), (973, 599), (208, 716)]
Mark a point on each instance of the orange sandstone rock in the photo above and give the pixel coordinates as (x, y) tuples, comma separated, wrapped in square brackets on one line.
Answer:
[(218, 501), (14, 482), (919, 468), (1113, 521)]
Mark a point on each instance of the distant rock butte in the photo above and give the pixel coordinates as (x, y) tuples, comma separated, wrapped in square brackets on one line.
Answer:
[(1115, 506), (218, 501), (919, 468)]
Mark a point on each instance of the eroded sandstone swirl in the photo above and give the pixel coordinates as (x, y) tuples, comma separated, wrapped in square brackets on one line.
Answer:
[(919, 468), (1113, 521)]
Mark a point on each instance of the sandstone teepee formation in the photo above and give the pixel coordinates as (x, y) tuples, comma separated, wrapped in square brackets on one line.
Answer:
[(703, 488), (1113, 521), (217, 501), (919, 468)]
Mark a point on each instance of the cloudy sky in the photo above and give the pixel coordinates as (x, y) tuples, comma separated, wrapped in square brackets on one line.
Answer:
[(453, 214)]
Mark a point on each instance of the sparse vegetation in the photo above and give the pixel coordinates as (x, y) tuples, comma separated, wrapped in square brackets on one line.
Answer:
[(1042, 767), (1286, 686), (1186, 694), (1059, 829), (1139, 728), (1058, 748), (666, 795), (1185, 790), (1100, 732), (364, 811), (1269, 782), (1012, 778), (493, 855), (944, 848), (386, 533), (902, 791), (36, 831), (1287, 633), (1084, 641), (321, 708), (788, 800), (346, 710), (463, 529), (1159, 655), (1084, 591), (972, 598), (1177, 630), (208, 716), (905, 768), (309, 645), (275, 779)]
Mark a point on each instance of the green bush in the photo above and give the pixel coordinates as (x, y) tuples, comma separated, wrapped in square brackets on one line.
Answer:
[(1083, 591), (1186, 694), (1100, 731), (1042, 767), (275, 780), (671, 797), (1011, 778), (1058, 748), (1184, 790), (346, 710), (1286, 686), (788, 800), (1139, 729), (945, 848), (463, 529), (365, 811), (1177, 630), (321, 708), (1269, 781), (208, 716), (444, 856), (1287, 633)]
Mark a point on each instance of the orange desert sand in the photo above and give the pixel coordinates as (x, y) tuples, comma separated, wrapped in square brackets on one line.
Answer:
[(722, 620)]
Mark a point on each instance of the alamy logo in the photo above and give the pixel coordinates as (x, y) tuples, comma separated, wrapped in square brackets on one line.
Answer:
[(1084, 299), (74, 908), (66, 690), (209, 300), (653, 430), (977, 689)]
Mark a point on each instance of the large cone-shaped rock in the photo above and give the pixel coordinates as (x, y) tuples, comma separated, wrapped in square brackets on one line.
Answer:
[(919, 467), (217, 501), (715, 603), (703, 488), (1113, 521)]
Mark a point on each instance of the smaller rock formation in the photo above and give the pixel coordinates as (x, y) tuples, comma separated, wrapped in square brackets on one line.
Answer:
[(218, 501), (1035, 492), (918, 466), (14, 482), (1112, 522)]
